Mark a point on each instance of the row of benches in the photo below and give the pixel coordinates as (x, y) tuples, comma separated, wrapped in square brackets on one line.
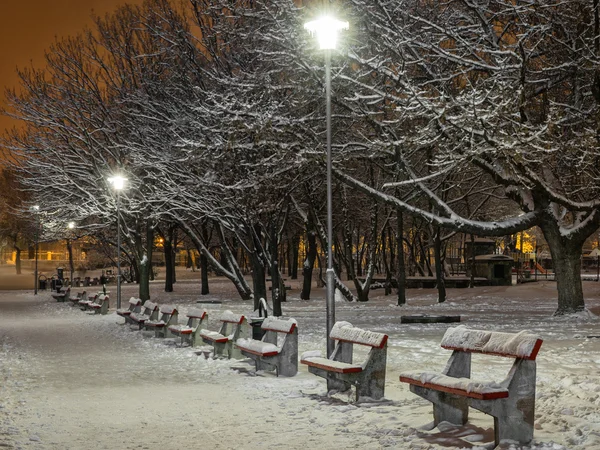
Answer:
[(99, 303), (452, 391), (278, 349)]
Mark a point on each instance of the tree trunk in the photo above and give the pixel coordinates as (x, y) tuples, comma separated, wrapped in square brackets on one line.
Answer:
[(258, 279), (18, 260), (144, 279), (401, 270), (71, 264), (439, 270), (168, 251), (309, 263), (275, 284), (566, 256), (204, 275), (294, 256)]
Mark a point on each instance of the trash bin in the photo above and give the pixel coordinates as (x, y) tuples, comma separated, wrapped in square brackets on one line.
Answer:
[(257, 331), (42, 282)]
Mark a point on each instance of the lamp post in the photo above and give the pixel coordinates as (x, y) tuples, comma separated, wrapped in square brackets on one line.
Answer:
[(326, 30), (36, 210), (71, 226), (118, 183)]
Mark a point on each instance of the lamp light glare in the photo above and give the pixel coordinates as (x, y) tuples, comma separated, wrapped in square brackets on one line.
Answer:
[(71, 225), (326, 28), (118, 182)]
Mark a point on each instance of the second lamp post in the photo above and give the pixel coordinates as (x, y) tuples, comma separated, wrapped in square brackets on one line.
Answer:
[(118, 183), (326, 30)]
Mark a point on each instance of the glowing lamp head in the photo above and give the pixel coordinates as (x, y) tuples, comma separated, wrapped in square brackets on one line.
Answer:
[(118, 182), (71, 225), (326, 28), (35, 208)]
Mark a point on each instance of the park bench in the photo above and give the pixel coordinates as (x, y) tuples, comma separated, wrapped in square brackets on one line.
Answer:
[(135, 306), (339, 369), (149, 311), (85, 303), (511, 401), (78, 297), (101, 305), (233, 327), (168, 316), (62, 295), (190, 332), (278, 348)]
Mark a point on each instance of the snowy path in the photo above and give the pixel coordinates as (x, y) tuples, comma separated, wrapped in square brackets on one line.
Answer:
[(71, 380)]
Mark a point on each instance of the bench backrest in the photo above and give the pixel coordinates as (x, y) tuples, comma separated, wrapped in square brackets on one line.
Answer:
[(150, 307), (134, 302), (230, 317), (345, 332), (513, 345), (168, 310), (195, 313), (279, 325)]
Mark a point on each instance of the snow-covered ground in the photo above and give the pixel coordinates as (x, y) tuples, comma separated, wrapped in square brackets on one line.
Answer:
[(71, 380)]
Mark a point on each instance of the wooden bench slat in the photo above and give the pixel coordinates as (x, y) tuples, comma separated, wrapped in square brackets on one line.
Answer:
[(279, 325), (344, 331), (456, 391), (213, 336), (332, 366), (465, 387), (511, 345)]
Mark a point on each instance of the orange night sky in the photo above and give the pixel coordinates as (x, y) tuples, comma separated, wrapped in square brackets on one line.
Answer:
[(27, 27)]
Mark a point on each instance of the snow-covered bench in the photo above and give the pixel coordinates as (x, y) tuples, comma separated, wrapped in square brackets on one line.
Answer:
[(233, 327), (78, 297), (339, 369), (190, 332), (62, 295), (511, 401), (84, 303), (101, 305), (149, 312), (278, 349), (135, 306), (168, 316)]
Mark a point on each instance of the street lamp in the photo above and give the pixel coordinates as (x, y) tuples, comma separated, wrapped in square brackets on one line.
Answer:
[(118, 183), (36, 211), (326, 30), (71, 226)]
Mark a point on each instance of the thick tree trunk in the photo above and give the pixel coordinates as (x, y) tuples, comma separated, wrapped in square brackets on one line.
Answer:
[(294, 257), (204, 275), (18, 259), (275, 284), (168, 251), (309, 263), (258, 279), (566, 257), (439, 270), (144, 279), (401, 270)]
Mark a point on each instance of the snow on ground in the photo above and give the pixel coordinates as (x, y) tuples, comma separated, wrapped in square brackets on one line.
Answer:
[(71, 380)]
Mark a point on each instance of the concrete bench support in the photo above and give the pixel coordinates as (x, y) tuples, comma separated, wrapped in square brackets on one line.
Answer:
[(511, 401), (278, 348), (190, 333), (233, 327), (339, 370)]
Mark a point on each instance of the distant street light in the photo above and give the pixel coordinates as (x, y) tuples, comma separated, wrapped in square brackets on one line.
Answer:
[(36, 210), (326, 29), (118, 183), (71, 226)]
